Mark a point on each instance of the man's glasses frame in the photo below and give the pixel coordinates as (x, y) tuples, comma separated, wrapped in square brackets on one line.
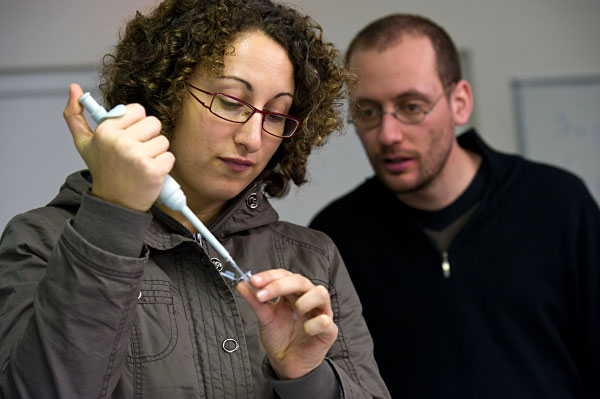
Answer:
[(424, 112), (296, 123)]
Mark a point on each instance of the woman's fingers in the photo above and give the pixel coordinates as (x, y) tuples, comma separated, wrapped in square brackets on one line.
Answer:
[(134, 124), (280, 282), (156, 146), (297, 330), (264, 312), (248, 294), (322, 325), (261, 279), (127, 156), (165, 162), (315, 299), (73, 114), (276, 283), (308, 300)]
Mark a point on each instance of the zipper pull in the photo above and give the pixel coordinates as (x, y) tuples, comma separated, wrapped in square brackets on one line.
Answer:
[(198, 238), (445, 265)]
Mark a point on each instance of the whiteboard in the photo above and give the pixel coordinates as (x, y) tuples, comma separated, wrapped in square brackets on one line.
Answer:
[(558, 122)]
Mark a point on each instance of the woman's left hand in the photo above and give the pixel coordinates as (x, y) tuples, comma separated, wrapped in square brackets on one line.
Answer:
[(295, 320)]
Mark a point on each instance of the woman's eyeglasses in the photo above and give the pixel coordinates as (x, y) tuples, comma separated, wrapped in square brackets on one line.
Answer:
[(235, 110)]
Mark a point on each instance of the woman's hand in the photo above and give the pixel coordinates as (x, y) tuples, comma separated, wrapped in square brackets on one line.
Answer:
[(295, 320), (127, 156)]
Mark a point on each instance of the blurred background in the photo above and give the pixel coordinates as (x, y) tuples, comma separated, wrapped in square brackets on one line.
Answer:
[(534, 66)]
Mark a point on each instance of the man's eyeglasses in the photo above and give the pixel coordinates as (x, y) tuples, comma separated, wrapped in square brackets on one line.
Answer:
[(368, 114), (238, 111)]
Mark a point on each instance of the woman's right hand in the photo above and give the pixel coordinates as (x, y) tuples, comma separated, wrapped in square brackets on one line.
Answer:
[(127, 156), (297, 329)]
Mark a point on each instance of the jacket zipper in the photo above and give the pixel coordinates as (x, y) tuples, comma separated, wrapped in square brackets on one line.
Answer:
[(445, 262), (198, 238), (445, 265)]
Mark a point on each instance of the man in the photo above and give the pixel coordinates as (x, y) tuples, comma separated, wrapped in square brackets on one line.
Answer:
[(479, 272)]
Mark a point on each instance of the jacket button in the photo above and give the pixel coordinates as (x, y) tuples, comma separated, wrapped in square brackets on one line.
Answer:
[(252, 201), (230, 345), (217, 263)]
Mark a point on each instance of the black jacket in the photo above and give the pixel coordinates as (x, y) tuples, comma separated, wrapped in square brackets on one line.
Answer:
[(519, 316)]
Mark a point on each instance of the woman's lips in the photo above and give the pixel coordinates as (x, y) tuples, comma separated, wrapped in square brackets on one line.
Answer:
[(237, 164)]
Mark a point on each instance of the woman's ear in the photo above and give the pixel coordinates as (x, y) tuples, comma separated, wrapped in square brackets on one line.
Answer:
[(461, 101)]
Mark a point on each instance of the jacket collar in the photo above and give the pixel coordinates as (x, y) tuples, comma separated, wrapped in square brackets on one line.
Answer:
[(502, 167), (249, 210)]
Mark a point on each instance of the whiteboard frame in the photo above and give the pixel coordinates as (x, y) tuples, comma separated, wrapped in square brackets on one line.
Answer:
[(518, 85), (525, 138)]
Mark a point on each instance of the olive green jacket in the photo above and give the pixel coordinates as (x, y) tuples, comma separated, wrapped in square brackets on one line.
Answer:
[(97, 301)]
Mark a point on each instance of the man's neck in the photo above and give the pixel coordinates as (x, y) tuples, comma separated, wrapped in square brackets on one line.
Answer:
[(448, 185)]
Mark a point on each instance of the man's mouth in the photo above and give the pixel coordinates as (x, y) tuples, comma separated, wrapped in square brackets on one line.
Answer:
[(397, 164)]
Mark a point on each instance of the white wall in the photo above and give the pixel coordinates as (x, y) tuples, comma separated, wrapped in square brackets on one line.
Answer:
[(506, 40)]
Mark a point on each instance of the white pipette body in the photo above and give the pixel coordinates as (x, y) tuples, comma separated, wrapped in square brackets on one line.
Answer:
[(97, 111), (171, 194)]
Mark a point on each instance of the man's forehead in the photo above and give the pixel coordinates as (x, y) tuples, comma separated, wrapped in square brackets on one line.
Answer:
[(410, 65), (386, 44)]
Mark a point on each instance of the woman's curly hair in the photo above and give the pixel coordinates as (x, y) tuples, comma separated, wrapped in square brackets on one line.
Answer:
[(158, 53)]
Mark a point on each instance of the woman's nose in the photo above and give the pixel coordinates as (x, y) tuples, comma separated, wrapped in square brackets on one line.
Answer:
[(250, 133)]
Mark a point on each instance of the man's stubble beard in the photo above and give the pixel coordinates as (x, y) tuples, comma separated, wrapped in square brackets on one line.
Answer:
[(430, 165)]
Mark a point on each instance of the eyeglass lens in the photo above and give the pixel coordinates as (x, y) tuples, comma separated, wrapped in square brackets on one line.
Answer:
[(235, 111), (408, 111)]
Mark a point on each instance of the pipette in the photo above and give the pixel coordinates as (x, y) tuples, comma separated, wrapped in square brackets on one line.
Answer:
[(171, 194)]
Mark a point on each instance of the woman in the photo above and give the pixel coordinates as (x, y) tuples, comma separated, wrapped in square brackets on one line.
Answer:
[(105, 294)]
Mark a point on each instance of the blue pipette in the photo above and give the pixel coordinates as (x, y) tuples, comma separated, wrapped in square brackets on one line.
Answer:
[(171, 194)]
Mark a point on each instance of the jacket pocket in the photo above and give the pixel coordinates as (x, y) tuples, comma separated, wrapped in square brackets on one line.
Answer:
[(154, 334)]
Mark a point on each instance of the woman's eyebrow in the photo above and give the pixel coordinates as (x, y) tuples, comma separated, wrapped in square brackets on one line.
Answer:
[(244, 82), (282, 94), (249, 85)]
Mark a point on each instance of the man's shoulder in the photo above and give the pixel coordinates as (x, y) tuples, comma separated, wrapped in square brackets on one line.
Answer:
[(550, 178), (525, 177)]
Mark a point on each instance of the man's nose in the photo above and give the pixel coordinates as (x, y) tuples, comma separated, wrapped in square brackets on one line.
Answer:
[(391, 130)]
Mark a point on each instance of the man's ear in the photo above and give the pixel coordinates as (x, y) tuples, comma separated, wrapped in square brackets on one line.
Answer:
[(461, 101)]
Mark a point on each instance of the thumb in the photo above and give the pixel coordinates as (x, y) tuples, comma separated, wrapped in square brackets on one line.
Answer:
[(73, 114), (261, 310)]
